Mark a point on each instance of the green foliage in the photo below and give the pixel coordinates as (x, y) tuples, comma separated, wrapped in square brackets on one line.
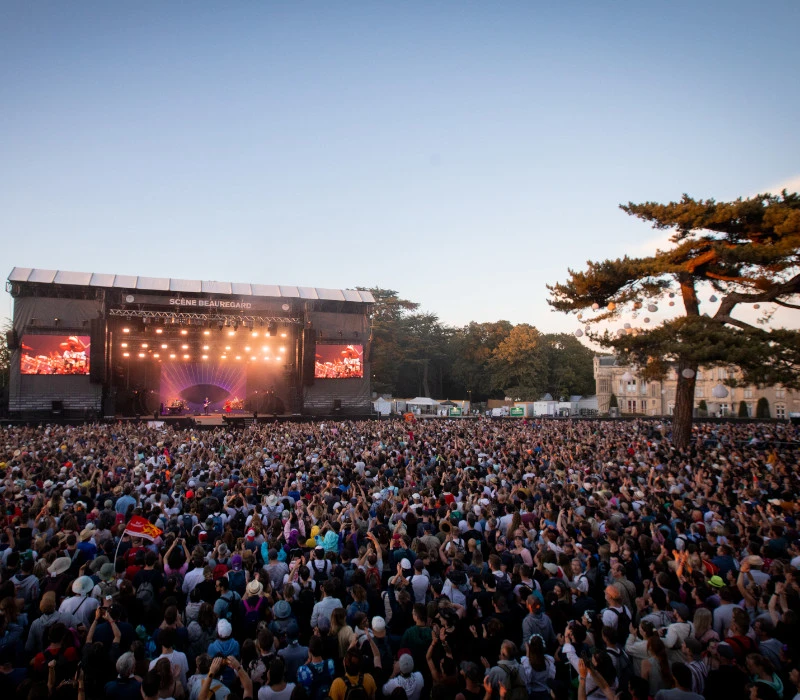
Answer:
[(519, 364), (702, 407), (471, 350), (612, 401), (743, 410), (746, 251), (762, 408), (5, 355), (570, 369)]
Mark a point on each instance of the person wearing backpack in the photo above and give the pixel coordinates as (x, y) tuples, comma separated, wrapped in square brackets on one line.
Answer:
[(227, 605), (237, 576), (508, 673), (623, 664), (355, 685), (317, 674), (616, 616), (253, 606)]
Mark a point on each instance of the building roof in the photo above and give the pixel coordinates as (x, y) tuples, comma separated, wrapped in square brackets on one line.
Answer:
[(166, 284)]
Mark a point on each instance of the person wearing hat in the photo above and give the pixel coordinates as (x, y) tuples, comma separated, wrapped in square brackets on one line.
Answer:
[(677, 632), (49, 616), (58, 577), (81, 605), (404, 676), (224, 643)]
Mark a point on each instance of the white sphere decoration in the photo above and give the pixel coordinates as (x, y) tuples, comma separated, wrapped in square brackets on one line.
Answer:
[(578, 333), (627, 376), (620, 332), (595, 306), (688, 373), (719, 391), (652, 308), (587, 329), (672, 295), (712, 298), (626, 326), (663, 392), (646, 319)]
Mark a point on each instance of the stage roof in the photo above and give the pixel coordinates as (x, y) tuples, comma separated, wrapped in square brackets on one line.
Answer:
[(165, 284)]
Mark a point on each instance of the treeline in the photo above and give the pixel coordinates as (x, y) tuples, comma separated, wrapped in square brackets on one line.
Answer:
[(414, 354)]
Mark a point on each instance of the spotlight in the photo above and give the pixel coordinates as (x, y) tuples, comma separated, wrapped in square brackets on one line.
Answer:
[(184, 332), (159, 331), (56, 322), (126, 330), (126, 354)]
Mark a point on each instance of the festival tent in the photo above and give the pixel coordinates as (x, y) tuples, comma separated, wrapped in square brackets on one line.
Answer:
[(382, 406), (422, 405)]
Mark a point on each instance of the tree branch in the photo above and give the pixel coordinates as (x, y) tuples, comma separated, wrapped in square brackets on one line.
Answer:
[(787, 305)]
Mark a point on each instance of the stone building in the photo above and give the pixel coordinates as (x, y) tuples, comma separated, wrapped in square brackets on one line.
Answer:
[(657, 398)]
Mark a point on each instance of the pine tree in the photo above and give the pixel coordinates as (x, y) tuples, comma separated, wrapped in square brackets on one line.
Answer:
[(743, 410), (612, 401), (762, 408), (746, 251)]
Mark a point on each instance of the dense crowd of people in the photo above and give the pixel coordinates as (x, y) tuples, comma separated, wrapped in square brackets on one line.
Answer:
[(450, 559)]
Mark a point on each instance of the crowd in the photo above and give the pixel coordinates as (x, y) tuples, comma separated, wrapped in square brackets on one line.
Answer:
[(466, 559)]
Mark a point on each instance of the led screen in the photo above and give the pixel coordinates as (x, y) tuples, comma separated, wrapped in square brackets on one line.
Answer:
[(54, 354), (339, 361)]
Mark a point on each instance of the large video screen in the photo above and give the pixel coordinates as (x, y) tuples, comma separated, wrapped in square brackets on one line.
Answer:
[(339, 362), (55, 354)]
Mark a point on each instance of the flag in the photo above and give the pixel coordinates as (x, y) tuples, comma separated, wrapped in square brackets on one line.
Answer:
[(140, 527)]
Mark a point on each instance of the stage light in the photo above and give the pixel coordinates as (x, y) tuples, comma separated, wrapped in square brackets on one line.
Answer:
[(185, 357), (144, 345), (126, 354), (126, 330), (184, 347), (205, 347), (206, 332), (253, 358), (265, 349), (227, 347), (164, 346), (238, 357), (283, 335), (159, 331), (184, 332), (247, 348), (283, 349), (141, 354), (172, 356), (266, 359), (156, 355), (231, 332), (223, 357), (255, 334), (124, 345), (205, 357)]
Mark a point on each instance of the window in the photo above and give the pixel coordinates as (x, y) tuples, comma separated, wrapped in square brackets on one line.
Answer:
[(631, 406), (749, 410), (621, 387), (700, 391), (723, 409), (670, 408), (671, 394), (780, 393), (722, 373), (699, 374), (780, 411), (605, 385), (653, 390), (631, 388), (643, 388), (748, 392)]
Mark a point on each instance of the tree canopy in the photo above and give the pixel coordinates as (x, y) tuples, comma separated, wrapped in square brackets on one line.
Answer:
[(746, 251)]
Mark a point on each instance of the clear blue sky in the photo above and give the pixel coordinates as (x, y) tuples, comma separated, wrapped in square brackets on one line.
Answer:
[(463, 153)]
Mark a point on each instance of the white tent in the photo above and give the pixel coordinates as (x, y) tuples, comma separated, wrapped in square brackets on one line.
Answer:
[(382, 406), (422, 405)]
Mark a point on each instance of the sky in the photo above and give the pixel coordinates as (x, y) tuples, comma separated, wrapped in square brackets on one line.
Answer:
[(462, 153)]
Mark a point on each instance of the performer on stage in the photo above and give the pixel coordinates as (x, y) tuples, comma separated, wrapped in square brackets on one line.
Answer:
[(206, 404)]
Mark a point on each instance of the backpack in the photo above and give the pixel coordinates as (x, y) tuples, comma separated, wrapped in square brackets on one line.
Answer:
[(108, 589), (357, 691), (64, 669), (188, 524), (237, 523), (252, 616), (306, 599), (227, 612), (517, 690), (146, 594), (218, 527), (624, 665), (623, 625), (349, 573), (237, 581), (321, 681), (320, 575)]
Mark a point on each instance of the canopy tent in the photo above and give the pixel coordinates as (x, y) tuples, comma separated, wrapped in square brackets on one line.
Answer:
[(382, 406), (422, 405)]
